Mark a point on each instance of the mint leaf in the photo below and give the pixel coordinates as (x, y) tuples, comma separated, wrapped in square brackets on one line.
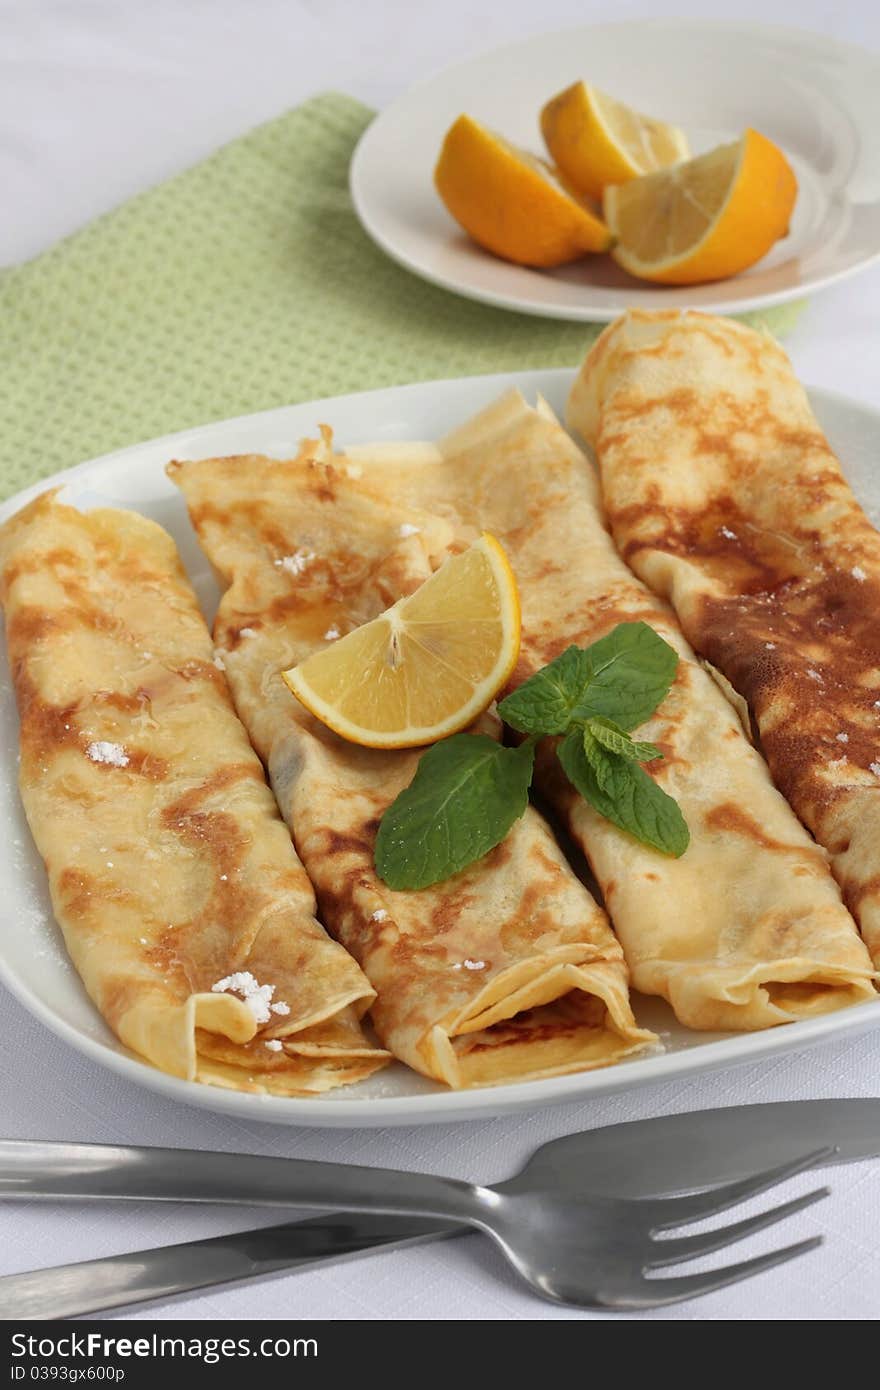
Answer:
[(612, 737), (595, 756), (465, 796), (621, 678), (631, 670), (623, 793), (544, 704)]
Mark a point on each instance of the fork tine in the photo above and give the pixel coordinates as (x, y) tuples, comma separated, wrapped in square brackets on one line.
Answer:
[(657, 1293), (678, 1211), (670, 1252)]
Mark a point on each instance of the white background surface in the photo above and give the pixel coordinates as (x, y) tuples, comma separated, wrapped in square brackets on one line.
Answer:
[(99, 99)]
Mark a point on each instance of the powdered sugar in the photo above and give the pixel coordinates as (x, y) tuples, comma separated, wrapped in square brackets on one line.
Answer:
[(297, 562), (858, 573), (257, 997), (273, 1044), (332, 633), (380, 915), (407, 529), (103, 752)]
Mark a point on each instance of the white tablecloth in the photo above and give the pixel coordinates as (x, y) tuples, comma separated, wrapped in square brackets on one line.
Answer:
[(99, 99)]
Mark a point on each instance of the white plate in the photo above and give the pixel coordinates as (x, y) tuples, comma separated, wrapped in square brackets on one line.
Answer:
[(818, 99), (33, 962)]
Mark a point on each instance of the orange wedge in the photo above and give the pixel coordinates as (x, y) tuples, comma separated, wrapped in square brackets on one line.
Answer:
[(511, 202), (706, 219), (426, 667), (594, 140)]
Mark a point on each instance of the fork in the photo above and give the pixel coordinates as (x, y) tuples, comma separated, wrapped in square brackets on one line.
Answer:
[(592, 1252)]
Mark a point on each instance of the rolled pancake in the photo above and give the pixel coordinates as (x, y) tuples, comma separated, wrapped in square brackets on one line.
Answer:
[(725, 496), (171, 873), (507, 971), (747, 928)]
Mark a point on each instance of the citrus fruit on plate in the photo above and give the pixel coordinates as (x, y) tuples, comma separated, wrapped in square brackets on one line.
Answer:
[(426, 667), (706, 219), (594, 140), (512, 202)]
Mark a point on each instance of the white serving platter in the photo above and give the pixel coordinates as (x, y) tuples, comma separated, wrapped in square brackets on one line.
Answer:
[(33, 961)]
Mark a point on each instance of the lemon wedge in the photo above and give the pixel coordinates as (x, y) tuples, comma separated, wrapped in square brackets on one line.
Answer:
[(706, 219), (426, 667), (595, 141), (511, 202)]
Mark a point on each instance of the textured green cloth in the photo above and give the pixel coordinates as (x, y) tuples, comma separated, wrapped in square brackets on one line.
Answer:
[(242, 284)]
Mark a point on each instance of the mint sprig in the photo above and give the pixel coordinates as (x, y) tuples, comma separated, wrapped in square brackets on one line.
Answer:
[(469, 790)]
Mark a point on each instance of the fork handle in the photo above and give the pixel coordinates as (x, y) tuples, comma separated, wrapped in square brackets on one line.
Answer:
[(111, 1172), (115, 1281)]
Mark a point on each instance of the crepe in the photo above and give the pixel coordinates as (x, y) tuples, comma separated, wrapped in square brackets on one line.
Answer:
[(507, 971), (725, 496), (747, 929), (182, 903)]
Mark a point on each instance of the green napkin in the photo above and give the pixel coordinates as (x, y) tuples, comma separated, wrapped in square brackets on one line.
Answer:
[(242, 284)]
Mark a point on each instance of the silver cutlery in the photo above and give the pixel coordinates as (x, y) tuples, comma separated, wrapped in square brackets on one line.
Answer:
[(115, 1281), (662, 1156), (591, 1251)]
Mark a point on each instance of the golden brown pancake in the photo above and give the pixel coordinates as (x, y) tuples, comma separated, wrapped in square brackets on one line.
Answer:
[(507, 971), (183, 905), (725, 496), (747, 929)]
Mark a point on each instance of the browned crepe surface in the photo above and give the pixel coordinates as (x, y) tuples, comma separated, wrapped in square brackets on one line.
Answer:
[(169, 866), (726, 497), (507, 971)]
